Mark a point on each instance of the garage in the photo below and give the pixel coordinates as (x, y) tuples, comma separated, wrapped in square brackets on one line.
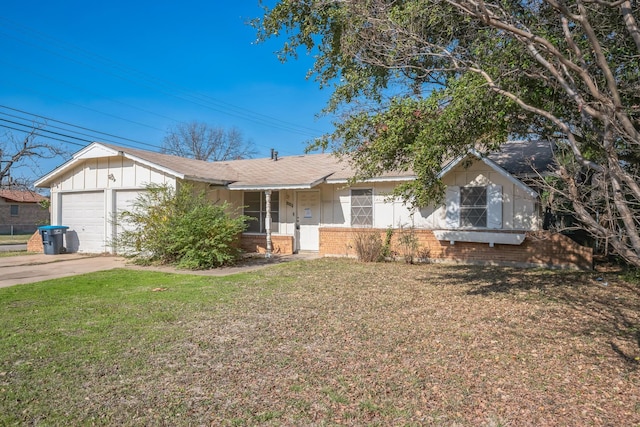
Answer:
[(84, 214), (124, 201), (100, 181)]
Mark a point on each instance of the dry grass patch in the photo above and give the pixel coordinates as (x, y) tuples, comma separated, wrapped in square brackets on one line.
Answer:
[(386, 344), (337, 342)]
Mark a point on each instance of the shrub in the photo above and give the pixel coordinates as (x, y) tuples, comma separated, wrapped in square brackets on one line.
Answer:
[(386, 252), (178, 227), (408, 243), (368, 246)]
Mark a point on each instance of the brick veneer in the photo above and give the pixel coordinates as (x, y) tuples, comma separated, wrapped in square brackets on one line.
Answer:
[(248, 242), (34, 244), (540, 248), (258, 243)]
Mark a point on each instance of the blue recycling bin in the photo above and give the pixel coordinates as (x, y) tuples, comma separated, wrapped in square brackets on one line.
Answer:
[(52, 238)]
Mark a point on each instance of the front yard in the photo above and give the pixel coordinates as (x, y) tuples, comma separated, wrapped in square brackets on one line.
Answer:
[(324, 342)]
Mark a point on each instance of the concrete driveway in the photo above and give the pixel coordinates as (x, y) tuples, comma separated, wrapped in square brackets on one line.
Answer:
[(21, 269)]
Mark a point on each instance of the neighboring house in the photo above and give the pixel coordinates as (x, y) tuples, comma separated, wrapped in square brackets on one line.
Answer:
[(21, 211), (490, 214)]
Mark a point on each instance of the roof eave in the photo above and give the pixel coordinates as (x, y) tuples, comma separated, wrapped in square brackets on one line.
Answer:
[(262, 187), (377, 179), (221, 182), (275, 187), (45, 181)]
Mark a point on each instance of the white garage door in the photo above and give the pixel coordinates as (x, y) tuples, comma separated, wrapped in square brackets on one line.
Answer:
[(84, 214), (124, 201)]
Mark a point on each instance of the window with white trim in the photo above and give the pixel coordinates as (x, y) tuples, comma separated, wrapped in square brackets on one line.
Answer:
[(361, 207), (473, 207), (255, 206)]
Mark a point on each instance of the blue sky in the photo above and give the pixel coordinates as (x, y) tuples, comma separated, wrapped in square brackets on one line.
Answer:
[(134, 69)]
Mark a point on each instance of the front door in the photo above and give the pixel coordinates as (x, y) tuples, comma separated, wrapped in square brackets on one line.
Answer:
[(308, 220)]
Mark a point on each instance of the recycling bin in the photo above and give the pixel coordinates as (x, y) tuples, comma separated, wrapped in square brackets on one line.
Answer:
[(52, 238)]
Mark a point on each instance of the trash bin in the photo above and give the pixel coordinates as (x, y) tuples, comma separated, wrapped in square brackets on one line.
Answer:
[(52, 238)]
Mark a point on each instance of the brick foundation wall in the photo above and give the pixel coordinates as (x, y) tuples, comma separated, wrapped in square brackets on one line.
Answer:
[(258, 243), (34, 244), (540, 248)]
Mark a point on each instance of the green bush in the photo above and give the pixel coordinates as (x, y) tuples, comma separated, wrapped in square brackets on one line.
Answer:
[(180, 228)]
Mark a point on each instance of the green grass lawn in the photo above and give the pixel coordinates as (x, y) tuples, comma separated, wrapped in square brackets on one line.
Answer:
[(324, 342)]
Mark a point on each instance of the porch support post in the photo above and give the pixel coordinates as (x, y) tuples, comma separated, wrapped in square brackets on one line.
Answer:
[(267, 222)]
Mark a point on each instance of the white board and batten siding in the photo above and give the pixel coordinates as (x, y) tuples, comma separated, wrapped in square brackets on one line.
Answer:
[(508, 206), (387, 211), (89, 197)]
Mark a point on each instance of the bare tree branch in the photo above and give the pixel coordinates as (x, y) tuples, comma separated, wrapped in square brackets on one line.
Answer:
[(200, 141)]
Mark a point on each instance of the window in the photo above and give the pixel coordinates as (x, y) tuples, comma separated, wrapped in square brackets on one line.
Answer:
[(255, 206), (473, 206), (362, 207), (15, 210)]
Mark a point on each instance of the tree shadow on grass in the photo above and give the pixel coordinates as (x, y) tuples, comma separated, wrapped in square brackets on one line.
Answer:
[(609, 305)]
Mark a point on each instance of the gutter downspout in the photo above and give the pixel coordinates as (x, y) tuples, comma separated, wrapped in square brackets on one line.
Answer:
[(267, 225)]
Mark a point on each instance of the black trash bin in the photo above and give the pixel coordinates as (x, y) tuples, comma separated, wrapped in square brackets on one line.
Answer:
[(52, 238)]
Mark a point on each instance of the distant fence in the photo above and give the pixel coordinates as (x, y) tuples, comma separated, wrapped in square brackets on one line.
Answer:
[(13, 229)]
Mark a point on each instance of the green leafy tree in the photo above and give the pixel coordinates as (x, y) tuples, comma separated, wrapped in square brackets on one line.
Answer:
[(178, 227), (417, 82)]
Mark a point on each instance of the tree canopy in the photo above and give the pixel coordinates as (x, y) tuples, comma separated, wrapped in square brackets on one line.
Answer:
[(416, 82)]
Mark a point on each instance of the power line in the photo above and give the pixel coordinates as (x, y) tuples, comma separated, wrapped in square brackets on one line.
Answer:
[(75, 126), (45, 130), (160, 85), (68, 135), (36, 134), (30, 89), (23, 69)]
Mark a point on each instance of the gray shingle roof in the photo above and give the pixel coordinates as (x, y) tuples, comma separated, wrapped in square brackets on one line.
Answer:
[(306, 171), (198, 170), (522, 158)]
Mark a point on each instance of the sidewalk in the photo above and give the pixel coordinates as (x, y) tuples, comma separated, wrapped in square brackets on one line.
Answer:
[(37, 267)]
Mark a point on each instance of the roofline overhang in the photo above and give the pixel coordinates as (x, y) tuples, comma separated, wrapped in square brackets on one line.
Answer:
[(45, 181), (78, 157), (377, 179), (455, 162), (220, 182), (275, 187), (254, 187)]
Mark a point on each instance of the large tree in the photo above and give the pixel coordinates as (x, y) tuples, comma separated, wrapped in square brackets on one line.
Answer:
[(419, 81), (24, 151), (198, 140)]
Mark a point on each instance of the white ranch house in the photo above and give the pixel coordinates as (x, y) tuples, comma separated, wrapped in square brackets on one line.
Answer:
[(490, 216)]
